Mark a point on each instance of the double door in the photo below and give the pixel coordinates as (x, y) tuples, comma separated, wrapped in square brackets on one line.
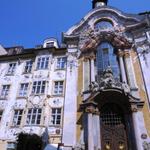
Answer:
[(113, 129)]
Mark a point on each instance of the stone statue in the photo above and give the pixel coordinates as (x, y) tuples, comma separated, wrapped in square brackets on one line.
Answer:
[(94, 86)]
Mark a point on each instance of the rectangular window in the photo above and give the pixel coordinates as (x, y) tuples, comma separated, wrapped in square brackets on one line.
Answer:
[(61, 63), (58, 87), (1, 113), (34, 116), (56, 116), (23, 89), (17, 117), (11, 146), (28, 66), (11, 68), (42, 63), (38, 87), (5, 91)]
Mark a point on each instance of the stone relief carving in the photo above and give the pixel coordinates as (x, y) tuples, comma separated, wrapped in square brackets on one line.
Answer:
[(146, 145), (79, 147), (108, 81), (90, 39)]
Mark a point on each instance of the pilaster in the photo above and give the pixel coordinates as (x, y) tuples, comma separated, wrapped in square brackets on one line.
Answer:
[(130, 74), (122, 67)]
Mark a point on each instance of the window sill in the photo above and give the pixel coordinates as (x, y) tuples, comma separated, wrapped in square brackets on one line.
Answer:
[(26, 73), (59, 95), (57, 126), (41, 69), (9, 74), (61, 69), (15, 126), (3, 98), (34, 125), (19, 97), (43, 94)]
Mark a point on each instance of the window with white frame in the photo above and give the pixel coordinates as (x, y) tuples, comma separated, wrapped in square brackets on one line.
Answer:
[(23, 89), (38, 87), (61, 63), (17, 117), (11, 146), (5, 91), (28, 66), (34, 116), (1, 113), (42, 62), (56, 116), (11, 69), (58, 87)]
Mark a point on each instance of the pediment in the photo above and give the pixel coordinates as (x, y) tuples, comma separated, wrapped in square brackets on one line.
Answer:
[(119, 19)]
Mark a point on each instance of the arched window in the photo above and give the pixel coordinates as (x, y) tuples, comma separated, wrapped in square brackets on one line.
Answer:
[(107, 57), (103, 25)]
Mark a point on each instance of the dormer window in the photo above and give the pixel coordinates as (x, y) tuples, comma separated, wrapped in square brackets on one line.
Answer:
[(50, 44), (103, 25)]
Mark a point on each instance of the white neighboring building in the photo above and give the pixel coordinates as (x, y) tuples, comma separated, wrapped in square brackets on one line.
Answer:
[(32, 92)]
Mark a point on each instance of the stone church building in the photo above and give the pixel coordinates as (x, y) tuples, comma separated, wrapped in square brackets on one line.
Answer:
[(92, 92)]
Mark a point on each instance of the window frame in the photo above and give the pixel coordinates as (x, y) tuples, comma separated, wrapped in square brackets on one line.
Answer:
[(28, 66), (18, 116), (103, 24), (59, 63), (103, 60), (58, 88), (11, 148), (5, 96), (11, 70), (30, 117), (1, 114), (39, 62), (53, 120), (23, 90), (41, 90)]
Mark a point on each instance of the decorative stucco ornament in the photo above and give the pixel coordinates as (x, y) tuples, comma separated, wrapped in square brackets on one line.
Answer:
[(107, 80), (146, 145), (91, 38)]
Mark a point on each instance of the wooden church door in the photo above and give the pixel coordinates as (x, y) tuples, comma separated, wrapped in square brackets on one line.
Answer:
[(113, 129)]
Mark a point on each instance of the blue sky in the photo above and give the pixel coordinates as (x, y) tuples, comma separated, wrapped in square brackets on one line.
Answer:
[(29, 22)]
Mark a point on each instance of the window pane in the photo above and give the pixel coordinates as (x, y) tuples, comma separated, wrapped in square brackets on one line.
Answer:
[(34, 116), (103, 25), (56, 116), (105, 58), (43, 62)]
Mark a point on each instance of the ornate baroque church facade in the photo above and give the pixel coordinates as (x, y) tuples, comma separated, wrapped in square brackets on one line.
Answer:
[(90, 93)]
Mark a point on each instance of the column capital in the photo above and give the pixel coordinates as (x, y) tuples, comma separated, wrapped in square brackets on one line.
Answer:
[(134, 108), (120, 53), (89, 57), (90, 109), (97, 112), (126, 53)]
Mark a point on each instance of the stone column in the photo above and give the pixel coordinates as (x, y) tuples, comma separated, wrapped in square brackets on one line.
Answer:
[(86, 73), (122, 67), (92, 70), (137, 133), (131, 74), (90, 110), (97, 130)]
